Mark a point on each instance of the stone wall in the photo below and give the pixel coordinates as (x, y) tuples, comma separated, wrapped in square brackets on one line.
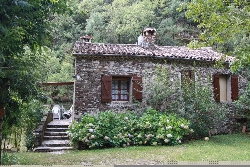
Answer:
[(90, 69)]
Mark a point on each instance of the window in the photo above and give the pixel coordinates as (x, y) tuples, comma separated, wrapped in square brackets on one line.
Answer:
[(121, 88), (187, 76), (225, 87)]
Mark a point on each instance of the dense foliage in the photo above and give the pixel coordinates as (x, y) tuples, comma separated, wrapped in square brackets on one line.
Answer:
[(110, 129), (23, 30), (192, 101), (106, 24)]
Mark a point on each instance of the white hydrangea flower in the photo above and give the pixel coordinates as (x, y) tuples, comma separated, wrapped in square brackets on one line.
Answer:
[(169, 135), (166, 140), (182, 125), (168, 127), (130, 136), (91, 130), (106, 138), (92, 136), (179, 141), (90, 124)]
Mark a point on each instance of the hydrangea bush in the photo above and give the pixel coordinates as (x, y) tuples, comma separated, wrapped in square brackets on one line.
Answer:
[(110, 129)]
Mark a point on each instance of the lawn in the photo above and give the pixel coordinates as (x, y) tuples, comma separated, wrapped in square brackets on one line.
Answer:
[(233, 147)]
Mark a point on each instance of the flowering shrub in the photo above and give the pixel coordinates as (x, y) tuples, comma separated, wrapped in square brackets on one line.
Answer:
[(110, 129), (155, 128)]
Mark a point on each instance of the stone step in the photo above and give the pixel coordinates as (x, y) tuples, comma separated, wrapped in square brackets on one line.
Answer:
[(56, 143), (51, 149), (58, 126), (49, 133), (56, 138), (57, 129)]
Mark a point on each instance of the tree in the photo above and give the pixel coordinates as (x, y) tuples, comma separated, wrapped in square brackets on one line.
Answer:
[(106, 23), (225, 25), (173, 27), (23, 27)]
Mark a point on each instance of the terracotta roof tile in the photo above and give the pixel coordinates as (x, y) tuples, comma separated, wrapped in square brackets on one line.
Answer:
[(170, 52)]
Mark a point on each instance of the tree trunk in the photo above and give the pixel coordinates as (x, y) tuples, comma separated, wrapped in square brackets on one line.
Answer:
[(4, 92)]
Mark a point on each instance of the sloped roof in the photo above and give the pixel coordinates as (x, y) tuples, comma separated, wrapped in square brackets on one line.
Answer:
[(168, 52)]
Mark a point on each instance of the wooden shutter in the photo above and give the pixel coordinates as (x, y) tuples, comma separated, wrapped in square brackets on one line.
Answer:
[(217, 87), (137, 88), (234, 87), (187, 76), (106, 89)]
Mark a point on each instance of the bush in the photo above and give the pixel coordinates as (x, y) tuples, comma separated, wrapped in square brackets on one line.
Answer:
[(157, 128), (201, 109), (110, 129), (189, 99)]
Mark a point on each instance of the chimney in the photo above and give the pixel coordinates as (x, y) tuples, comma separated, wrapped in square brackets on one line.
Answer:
[(86, 38), (140, 40), (149, 35)]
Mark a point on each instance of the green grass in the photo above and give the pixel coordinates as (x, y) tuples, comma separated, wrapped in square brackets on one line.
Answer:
[(234, 147)]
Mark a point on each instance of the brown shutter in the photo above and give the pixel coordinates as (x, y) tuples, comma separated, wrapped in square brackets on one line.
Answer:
[(106, 89), (137, 88), (187, 76), (217, 87), (192, 77), (234, 87)]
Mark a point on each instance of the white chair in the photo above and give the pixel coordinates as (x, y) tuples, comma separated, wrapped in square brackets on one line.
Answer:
[(56, 112)]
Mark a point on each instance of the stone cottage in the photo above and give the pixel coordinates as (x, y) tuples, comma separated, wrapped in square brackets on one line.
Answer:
[(110, 76)]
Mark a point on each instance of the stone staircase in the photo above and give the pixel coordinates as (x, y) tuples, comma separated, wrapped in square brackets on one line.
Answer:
[(55, 137)]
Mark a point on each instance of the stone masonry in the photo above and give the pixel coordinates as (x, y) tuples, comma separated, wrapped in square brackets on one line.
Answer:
[(91, 68)]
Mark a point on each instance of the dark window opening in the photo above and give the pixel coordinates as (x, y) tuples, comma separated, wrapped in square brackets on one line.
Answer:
[(120, 89)]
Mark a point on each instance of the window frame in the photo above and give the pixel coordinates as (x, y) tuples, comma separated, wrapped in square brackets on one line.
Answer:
[(119, 79), (135, 88), (231, 87), (187, 78)]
